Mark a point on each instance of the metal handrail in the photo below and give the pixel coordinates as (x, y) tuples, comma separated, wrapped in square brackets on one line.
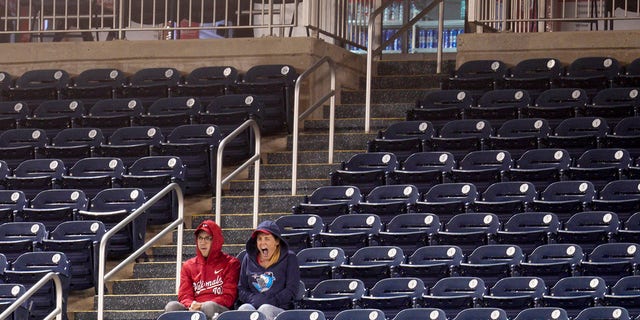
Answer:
[(57, 312), (371, 51), (102, 277), (297, 118), (256, 163)]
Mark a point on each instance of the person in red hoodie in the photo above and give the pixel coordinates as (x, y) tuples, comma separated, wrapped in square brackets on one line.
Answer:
[(209, 281)]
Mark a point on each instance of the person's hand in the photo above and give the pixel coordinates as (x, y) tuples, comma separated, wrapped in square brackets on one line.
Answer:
[(195, 306), (258, 300)]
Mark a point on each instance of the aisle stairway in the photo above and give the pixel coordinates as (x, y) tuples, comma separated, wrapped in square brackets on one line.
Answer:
[(396, 89)]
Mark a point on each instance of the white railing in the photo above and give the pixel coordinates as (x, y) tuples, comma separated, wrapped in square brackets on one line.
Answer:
[(55, 313), (249, 124), (297, 117), (178, 223)]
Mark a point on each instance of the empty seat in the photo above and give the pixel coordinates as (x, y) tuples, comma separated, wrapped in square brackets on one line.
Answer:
[(506, 198), (113, 205), (630, 232), (242, 315), (542, 313), (169, 113), (455, 294), (629, 77), (601, 312), (468, 231), (329, 202), (423, 170), (131, 143), (334, 295), (619, 196), (492, 262), (196, 145), (361, 314), (35, 175), (625, 293), (300, 230), (17, 145), (402, 138), (409, 231), (79, 241), (207, 83), (389, 200), (534, 75), (540, 167), (421, 313), (575, 293), (93, 175), (529, 230), (17, 238), (55, 115), (588, 229), (590, 73), (365, 170), (476, 76), (614, 104), (565, 198), (53, 207), (447, 200), (552, 262), (92, 85), (482, 314), (482, 168), (35, 86), (319, 263), (392, 295), (519, 135), (462, 136), (557, 104), (432, 263), (372, 263), (441, 106), (514, 294), (498, 106), (11, 113), (274, 85), (111, 114), (600, 166), (577, 135), (612, 261), (11, 204), (71, 145), (9, 293), (183, 315), (150, 84), (350, 232), (625, 135), (298, 314)]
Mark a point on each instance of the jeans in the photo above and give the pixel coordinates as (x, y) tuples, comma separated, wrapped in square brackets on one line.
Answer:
[(209, 308), (268, 310)]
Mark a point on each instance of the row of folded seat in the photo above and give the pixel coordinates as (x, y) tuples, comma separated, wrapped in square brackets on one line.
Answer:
[(272, 84)]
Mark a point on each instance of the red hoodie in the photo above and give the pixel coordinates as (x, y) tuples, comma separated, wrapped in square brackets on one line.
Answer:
[(214, 278)]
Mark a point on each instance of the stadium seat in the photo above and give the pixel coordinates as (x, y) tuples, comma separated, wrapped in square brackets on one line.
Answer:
[(602, 312), (241, 315), (534, 75), (9, 293), (468, 231), (111, 114), (274, 85), (131, 143), (519, 135), (11, 113), (557, 104), (372, 263), (590, 73), (565, 198), (514, 294), (612, 261), (588, 229), (71, 145), (423, 170), (350, 232), (625, 135), (300, 230), (319, 263), (529, 230), (11, 203), (619, 196), (575, 293), (169, 113), (364, 170), (389, 200), (552, 262), (52, 116), (482, 168), (53, 207), (79, 241), (35, 86), (506, 198), (93, 175), (298, 314), (35, 175), (183, 315), (17, 238), (447, 200), (540, 167), (482, 313), (630, 232), (476, 76), (441, 106), (460, 137), (17, 145), (334, 295), (542, 313), (360, 314), (577, 135), (614, 104), (328, 202), (625, 293), (207, 83), (92, 85), (409, 231), (402, 138), (492, 262), (113, 205), (421, 313), (498, 106), (455, 294), (629, 77), (150, 84), (432, 263), (600, 166), (392, 295), (6, 81), (196, 145)]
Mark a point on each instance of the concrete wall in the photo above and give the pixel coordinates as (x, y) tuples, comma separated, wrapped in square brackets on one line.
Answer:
[(565, 46)]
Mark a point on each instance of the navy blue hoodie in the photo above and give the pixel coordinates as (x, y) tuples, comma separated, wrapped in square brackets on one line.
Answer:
[(276, 285)]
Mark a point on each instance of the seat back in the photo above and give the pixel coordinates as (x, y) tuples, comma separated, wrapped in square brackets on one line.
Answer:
[(421, 313), (22, 230), (449, 192), (480, 129), (629, 126), (569, 190), (100, 77), (155, 76), (557, 252), (98, 166), (408, 129), (352, 288), (11, 203), (459, 286), (360, 314), (158, 165), (616, 252), (277, 73), (146, 135), (582, 126), (579, 286), (603, 158), (535, 68), (115, 199), (620, 190), (482, 313), (411, 222), (196, 133), (514, 98), (376, 255), (43, 78), (444, 99), (594, 66), (233, 109), (12, 112), (60, 198), (335, 194), (606, 221), (602, 312), (542, 313), (533, 221), (175, 105), (544, 158), (510, 190), (487, 159), (407, 194), (537, 127), (9, 293), (78, 136), (300, 314), (116, 107), (562, 97), (346, 223), (59, 108), (494, 69), (617, 97), (225, 75), (420, 161), (519, 286), (426, 255), (23, 137), (469, 222), (371, 161), (332, 256), (53, 168), (183, 315), (496, 253), (626, 286)]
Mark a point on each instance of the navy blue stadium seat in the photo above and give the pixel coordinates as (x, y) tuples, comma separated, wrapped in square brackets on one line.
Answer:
[(462, 136), (392, 295), (625, 293), (577, 135), (402, 138), (421, 313), (540, 167), (590, 73), (409, 231), (619, 196), (11, 113), (630, 75), (614, 104), (432, 263), (372, 263), (350, 232), (169, 113), (241, 315), (589, 229), (301, 314), (529, 230), (557, 104), (601, 166), (447, 200), (514, 294), (565, 198), (441, 106), (9, 293), (423, 170), (630, 232), (17, 145), (482, 313), (625, 135), (334, 295), (150, 84), (612, 261), (131, 143), (207, 83), (35, 175), (534, 75), (365, 170), (53, 207), (389, 200), (35, 86), (468, 231), (319, 263), (455, 294), (93, 175), (482, 168), (361, 314), (53, 116), (17, 238), (328, 202), (575, 293), (506, 198), (11, 203), (92, 85), (71, 145), (183, 315), (499, 105), (111, 114), (477, 76), (552, 262), (300, 230), (542, 313), (519, 135), (603, 312), (492, 262)]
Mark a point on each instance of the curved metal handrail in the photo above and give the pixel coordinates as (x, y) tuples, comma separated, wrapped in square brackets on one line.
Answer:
[(57, 312), (297, 118), (102, 277), (256, 177)]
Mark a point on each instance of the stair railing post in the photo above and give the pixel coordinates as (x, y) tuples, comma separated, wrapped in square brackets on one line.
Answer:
[(331, 96)]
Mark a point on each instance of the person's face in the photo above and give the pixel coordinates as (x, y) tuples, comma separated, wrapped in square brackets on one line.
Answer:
[(267, 245), (204, 243)]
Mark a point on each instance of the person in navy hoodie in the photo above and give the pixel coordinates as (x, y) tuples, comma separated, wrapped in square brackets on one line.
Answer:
[(269, 275)]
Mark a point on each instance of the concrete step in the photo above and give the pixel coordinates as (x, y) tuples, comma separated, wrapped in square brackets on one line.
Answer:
[(276, 186), (147, 301), (311, 156), (154, 270), (341, 141), (140, 286), (305, 171), (120, 315), (267, 204), (378, 111), (384, 96), (237, 220), (413, 67), (349, 125)]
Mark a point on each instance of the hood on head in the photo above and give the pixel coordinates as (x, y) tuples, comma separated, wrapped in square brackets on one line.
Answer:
[(214, 230), (269, 227)]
